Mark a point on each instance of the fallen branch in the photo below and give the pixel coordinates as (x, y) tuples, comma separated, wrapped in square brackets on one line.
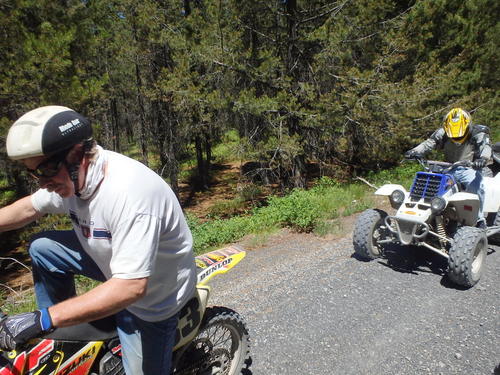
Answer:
[(10, 289), (16, 261), (366, 182)]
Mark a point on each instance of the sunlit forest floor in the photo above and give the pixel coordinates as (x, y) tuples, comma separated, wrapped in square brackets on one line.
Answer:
[(222, 187)]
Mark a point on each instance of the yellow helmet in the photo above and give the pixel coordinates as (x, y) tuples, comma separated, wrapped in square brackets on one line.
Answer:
[(456, 125)]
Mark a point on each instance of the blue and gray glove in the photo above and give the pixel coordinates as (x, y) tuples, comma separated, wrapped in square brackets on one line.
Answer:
[(18, 329), (413, 154), (479, 163)]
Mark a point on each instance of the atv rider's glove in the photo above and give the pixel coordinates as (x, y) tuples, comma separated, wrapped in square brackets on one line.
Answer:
[(18, 329), (479, 163), (412, 154)]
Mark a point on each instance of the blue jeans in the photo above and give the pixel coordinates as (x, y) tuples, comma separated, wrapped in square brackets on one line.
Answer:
[(56, 257), (472, 180)]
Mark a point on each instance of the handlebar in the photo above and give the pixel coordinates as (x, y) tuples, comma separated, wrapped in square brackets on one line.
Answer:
[(442, 165)]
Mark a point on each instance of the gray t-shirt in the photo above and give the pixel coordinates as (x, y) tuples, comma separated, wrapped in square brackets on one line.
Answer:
[(133, 227)]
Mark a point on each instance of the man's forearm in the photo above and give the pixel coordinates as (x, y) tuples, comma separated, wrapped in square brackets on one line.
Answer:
[(18, 214), (106, 299)]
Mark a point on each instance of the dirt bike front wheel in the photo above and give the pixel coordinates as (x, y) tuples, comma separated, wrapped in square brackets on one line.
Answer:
[(221, 346)]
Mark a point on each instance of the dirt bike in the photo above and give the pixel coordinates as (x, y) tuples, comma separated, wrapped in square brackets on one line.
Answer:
[(435, 214), (209, 340)]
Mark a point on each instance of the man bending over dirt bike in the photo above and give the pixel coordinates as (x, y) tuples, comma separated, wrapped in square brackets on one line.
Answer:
[(461, 140), (128, 232)]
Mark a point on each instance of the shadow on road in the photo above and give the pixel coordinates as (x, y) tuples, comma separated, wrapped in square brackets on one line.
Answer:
[(416, 260), (413, 259)]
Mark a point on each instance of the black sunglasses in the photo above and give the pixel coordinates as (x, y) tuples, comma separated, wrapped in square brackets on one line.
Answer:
[(50, 167)]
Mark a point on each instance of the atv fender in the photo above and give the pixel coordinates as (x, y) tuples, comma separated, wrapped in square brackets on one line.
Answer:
[(387, 189), (491, 194), (467, 206)]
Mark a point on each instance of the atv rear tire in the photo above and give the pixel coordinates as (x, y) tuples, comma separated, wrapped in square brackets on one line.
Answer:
[(467, 255), (367, 231), (220, 347)]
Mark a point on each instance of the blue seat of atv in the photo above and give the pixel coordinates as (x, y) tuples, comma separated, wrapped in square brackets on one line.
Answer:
[(99, 330)]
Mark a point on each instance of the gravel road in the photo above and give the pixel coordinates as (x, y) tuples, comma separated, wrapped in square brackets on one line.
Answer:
[(314, 309)]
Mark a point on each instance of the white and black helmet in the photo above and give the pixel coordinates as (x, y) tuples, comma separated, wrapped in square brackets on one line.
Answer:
[(46, 131)]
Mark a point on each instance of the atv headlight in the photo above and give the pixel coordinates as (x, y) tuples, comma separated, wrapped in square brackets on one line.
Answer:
[(397, 198), (438, 204)]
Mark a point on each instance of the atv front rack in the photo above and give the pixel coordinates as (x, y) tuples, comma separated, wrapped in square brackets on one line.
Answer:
[(413, 232)]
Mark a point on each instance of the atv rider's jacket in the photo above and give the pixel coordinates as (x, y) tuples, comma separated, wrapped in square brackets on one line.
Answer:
[(476, 146)]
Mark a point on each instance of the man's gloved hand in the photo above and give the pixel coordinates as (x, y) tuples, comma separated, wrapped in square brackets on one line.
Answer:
[(18, 329), (479, 163), (412, 154)]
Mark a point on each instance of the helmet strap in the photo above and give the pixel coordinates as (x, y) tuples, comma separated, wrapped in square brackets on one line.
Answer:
[(88, 144), (73, 175), (74, 168)]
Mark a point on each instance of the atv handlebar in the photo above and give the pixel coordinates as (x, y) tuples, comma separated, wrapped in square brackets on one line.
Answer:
[(442, 166)]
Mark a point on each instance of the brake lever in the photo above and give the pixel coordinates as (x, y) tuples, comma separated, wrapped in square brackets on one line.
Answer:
[(463, 163), (422, 162)]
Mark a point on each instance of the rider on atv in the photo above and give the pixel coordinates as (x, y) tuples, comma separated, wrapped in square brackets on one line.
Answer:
[(461, 140)]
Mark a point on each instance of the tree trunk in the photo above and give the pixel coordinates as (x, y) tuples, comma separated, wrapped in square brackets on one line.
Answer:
[(291, 7), (201, 164), (115, 127), (140, 103), (299, 171), (208, 154), (142, 118)]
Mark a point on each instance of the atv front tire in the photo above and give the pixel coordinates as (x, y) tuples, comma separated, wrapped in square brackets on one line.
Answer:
[(368, 230), (221, 346), (467, 255)]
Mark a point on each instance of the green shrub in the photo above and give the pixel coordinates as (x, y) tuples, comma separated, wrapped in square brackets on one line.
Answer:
[(296, 210), (4, 183), (217, 232), (402, 175), (325, 227), (226, 208), (302, 210), (227, 148), (18, 303), (249, 192), (7, 197), (84, 284)]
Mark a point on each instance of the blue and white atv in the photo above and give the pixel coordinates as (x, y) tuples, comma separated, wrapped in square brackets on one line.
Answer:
[(436, 214)]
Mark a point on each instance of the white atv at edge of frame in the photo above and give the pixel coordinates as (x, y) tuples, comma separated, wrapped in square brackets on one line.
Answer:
[(436, 214)]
